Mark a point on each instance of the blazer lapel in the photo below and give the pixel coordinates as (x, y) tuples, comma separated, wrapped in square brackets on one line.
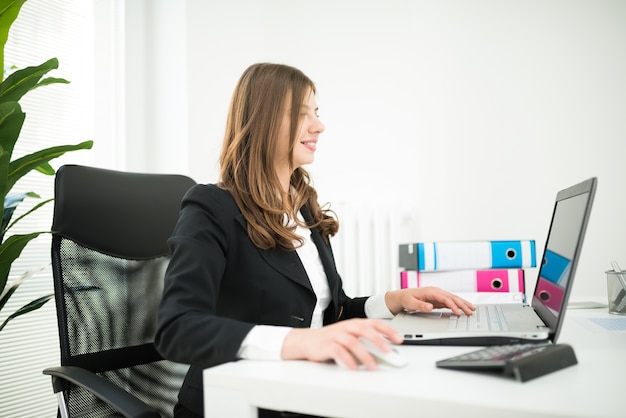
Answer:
[(286, 263)]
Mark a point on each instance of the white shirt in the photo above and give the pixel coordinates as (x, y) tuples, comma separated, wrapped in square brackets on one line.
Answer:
[(310, 258), (265, 342)]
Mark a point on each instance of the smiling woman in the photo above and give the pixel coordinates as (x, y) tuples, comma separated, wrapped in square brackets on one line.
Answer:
[(252, 273)]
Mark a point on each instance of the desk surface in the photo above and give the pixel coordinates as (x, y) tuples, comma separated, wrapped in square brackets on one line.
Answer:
[(592, 388)]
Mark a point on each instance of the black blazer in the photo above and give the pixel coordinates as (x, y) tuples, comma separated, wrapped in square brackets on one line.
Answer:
[(218, 285)]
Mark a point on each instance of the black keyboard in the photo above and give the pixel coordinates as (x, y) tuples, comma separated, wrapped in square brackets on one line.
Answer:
[(523, 361)]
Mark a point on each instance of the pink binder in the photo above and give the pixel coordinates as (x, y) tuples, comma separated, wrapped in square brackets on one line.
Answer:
[(493, 280)]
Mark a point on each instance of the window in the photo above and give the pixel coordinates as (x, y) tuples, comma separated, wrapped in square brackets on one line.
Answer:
[(55, 115)]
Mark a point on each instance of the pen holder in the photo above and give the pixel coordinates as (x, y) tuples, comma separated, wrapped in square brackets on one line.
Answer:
[(616, 287)]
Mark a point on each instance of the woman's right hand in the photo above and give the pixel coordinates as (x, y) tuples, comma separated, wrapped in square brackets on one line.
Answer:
[(340, 342)]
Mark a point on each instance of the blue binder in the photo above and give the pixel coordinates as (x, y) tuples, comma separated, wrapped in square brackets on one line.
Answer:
[(463, 255)]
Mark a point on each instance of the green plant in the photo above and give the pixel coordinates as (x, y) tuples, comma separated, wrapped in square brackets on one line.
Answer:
[(12, 118)]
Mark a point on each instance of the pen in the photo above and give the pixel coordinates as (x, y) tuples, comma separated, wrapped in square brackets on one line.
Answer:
[(620, 300)]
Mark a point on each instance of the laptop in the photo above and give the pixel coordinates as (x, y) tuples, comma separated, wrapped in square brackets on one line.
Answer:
[(513, 323)]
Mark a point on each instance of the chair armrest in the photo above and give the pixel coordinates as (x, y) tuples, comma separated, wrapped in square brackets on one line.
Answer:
[(117, 398)]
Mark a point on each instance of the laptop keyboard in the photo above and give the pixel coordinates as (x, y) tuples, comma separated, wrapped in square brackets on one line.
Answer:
[(485, 318)]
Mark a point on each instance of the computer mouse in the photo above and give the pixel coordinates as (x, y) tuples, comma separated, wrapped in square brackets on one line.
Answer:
[(392, 358)]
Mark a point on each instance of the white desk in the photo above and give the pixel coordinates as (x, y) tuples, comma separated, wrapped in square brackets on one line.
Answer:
[(595, 387)]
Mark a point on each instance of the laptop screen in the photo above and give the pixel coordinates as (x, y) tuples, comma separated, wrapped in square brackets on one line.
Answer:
[(561, 253)]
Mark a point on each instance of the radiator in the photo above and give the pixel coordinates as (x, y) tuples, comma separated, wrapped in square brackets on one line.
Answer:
[(366, 247)]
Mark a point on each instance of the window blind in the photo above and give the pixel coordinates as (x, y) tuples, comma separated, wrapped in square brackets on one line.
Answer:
[(55, 115)]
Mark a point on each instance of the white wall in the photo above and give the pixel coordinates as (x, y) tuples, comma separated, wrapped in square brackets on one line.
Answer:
[(469, 114)]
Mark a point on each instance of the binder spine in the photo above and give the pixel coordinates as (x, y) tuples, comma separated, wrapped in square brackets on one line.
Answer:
[(470, 255), (497, 280)]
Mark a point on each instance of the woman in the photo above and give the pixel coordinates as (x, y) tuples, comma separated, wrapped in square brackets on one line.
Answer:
[(252, 273)]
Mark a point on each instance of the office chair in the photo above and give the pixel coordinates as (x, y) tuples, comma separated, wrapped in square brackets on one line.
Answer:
[(109, 255)]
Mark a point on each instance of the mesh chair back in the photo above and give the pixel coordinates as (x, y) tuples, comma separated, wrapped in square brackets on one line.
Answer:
[(109, 255)]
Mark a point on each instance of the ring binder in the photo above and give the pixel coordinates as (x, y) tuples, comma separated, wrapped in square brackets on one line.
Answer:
[(464, 255)]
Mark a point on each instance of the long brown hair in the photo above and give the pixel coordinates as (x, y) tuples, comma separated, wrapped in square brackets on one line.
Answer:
[(247, 161)]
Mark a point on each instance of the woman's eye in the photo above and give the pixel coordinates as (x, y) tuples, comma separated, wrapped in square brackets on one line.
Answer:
[(309, 114)]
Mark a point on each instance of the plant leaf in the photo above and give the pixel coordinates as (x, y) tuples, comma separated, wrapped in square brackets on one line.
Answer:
[(7, 292), (21, 166), (8, 14), (46, 169), (14, 199), (7, 109), (4, 172), (51, 80), (10, 250), (22, 81), (11, 122), (37, 206), (12, 286), (11, 202), (29, 307)]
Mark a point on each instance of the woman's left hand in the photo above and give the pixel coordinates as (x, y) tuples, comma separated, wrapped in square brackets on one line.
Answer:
[(426, 299)]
